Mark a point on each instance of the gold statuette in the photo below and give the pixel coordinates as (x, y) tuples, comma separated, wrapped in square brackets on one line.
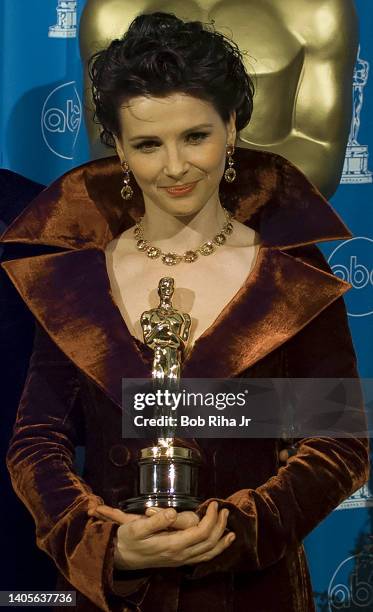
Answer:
[(168, 473), (166, 331)]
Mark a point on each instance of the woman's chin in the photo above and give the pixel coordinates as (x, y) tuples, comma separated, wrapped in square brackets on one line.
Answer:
[(182, 210)]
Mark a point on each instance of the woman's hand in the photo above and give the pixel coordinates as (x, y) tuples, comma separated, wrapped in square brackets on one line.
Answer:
[(149, 543), (183, 520), (286, 453)]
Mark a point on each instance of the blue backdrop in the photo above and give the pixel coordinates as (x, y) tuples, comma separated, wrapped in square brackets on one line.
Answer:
[(43, 135)]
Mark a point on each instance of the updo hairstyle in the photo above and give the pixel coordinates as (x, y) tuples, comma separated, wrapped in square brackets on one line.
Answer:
[(159, 55)]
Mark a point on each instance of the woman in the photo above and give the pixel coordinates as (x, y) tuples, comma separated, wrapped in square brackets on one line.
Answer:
[(170, 96)]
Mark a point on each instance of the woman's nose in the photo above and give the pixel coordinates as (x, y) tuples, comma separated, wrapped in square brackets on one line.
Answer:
[(175, 165)]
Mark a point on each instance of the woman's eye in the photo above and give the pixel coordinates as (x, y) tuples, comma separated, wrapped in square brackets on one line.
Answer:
[(194, 137), (147, 144), (198, 136)]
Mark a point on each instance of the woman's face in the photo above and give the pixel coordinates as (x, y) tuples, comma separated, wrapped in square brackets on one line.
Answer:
[(173, 141)]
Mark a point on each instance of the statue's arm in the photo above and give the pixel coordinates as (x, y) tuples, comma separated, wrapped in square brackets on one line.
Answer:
[(187, 324), (150, 331), (146, 326)]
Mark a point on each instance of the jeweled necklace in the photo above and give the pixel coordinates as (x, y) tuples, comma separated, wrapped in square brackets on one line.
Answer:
[(171, 259)]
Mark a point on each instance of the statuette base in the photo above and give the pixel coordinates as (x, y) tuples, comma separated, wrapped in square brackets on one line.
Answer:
[(160, 500)]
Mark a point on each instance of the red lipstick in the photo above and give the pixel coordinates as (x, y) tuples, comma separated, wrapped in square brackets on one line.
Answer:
[(181, 189)]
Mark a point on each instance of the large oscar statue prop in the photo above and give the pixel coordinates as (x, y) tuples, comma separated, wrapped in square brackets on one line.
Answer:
[(168, 472)]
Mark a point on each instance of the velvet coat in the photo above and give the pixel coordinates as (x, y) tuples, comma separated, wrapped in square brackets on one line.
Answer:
[(32, 570), (288, 319)]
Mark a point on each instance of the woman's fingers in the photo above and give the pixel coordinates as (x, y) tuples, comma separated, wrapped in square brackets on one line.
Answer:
[(108, 513), (223, 543), (215, 536), (153, 524), (201, 531), (184, 519), (178, 541), (147, 543), (284, 455), (172, 550)]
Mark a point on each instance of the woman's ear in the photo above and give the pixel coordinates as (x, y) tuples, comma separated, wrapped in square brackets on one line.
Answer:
[(119, 148), (231, 128)]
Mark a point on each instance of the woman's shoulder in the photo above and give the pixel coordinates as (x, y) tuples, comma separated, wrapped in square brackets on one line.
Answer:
[(310, 254)]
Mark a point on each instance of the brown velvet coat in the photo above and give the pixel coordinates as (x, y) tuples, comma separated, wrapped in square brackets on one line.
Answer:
[(288, 319)]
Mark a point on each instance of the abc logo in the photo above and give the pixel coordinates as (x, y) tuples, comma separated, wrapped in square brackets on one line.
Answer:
[(352, 262), (351, 587), (60, 120)]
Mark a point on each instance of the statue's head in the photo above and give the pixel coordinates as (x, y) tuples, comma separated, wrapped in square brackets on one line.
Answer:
[(170, 96), (166, 287)]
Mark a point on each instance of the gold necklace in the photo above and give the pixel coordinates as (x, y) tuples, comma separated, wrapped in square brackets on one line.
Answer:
[(171, 259)]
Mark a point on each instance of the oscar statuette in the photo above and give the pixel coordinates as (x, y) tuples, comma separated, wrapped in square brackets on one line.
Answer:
[(168, 472)]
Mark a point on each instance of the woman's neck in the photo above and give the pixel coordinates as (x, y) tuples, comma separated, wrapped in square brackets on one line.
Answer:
[(182, 233)]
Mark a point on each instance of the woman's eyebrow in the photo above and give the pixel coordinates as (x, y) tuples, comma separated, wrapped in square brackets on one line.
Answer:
[(192, 129)]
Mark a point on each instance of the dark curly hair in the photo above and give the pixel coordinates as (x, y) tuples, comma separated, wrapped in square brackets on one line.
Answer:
[(159, 55)]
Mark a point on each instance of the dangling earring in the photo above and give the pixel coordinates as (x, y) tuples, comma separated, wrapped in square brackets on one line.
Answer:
[(230, 173), (126, 192)]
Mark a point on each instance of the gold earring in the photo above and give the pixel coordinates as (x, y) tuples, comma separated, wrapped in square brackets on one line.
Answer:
[(126, 192), (230, 173)]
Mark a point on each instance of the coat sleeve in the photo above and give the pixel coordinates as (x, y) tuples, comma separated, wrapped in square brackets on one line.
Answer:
[(40, 461), (324, 472)]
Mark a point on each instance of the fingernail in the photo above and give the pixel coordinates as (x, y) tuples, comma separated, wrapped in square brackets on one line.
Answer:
[(170, 513), (231, 537)]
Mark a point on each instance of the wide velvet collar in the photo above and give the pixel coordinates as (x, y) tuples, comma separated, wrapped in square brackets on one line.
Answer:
[(69, 291)]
